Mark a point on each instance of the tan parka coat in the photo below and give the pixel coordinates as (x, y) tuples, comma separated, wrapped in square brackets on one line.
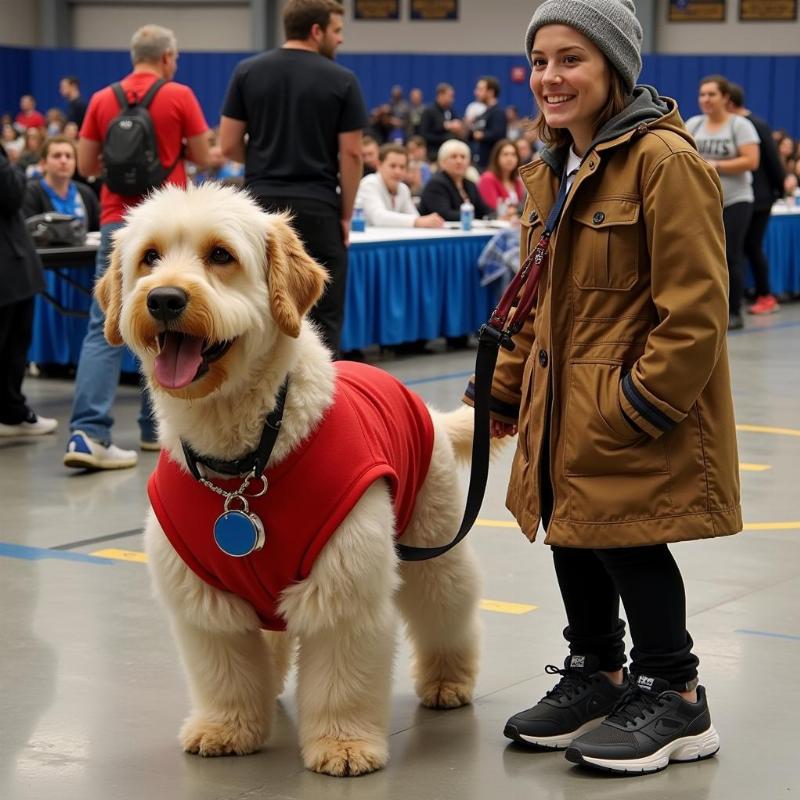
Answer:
[(624, 362)]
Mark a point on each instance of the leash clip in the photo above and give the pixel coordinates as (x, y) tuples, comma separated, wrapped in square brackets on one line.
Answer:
[(488, 333)]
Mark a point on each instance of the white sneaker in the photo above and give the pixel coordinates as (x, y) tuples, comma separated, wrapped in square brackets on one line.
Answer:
[(149, 446), (86, 453), (33, 426)]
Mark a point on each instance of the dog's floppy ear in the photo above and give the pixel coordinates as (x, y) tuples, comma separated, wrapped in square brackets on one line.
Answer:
[(108, 292), (295, 280)]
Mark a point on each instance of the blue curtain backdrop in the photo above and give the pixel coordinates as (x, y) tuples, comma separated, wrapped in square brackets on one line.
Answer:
[(772, 83)]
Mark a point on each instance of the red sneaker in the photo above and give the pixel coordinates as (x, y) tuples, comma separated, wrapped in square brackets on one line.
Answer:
[(766, 304)]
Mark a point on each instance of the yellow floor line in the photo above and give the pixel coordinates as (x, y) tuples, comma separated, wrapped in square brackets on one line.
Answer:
[(506, 608), (498, 606), (768, 429), (755, 467), (772, 526), (122, 555)]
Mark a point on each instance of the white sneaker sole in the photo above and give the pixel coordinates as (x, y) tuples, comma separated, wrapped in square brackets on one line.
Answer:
[(688, 748), (564, 740), (88, 461), (12, 431)]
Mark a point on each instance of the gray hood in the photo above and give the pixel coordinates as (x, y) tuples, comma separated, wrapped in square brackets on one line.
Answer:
[(644, 106)]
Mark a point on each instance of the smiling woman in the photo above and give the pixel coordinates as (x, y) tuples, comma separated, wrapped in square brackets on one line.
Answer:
[(619, 388)]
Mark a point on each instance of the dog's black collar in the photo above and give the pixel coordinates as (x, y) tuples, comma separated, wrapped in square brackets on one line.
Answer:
[(254, 462)]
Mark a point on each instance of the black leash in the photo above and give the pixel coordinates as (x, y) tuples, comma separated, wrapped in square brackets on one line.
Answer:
[(254, 462), (496, 333)]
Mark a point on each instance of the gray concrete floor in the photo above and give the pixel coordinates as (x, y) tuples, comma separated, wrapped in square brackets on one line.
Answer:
[(91, 692)]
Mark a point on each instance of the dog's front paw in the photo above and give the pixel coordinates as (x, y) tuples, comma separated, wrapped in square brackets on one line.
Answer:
[(208, 737), (445, 694), (344, 757)]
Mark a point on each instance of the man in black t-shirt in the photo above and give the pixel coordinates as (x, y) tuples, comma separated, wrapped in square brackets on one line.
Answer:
[(304, 115)]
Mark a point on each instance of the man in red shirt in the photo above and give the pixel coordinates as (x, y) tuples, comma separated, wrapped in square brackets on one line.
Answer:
[(28, 116), (180, 128)]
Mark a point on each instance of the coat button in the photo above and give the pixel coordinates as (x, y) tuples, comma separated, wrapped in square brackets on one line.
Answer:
[(598, 217), (591, 165), (641, 128), (543, 358), (533, 217)]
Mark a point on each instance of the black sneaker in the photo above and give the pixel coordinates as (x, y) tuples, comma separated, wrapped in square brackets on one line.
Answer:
[(578, 703), (650, 728)]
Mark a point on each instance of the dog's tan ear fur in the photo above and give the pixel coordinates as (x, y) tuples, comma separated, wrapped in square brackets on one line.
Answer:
[(108, 292), (295, 280)]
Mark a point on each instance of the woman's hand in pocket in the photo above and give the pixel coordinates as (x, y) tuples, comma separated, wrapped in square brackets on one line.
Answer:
[(499, 429)]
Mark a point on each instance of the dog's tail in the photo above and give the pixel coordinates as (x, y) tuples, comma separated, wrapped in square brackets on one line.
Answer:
[(459, 425)]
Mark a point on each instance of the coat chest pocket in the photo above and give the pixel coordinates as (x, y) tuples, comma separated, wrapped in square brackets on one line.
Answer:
[(606, 248)]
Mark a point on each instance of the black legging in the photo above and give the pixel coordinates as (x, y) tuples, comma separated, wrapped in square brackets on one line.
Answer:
[(755, 252), (736, 219), (648, 581), (16, 327)]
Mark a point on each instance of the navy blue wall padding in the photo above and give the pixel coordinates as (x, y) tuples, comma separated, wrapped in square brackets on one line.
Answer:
[(772, 83)]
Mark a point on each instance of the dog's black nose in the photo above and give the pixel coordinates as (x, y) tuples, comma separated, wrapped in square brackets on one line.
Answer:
[(166, 303)]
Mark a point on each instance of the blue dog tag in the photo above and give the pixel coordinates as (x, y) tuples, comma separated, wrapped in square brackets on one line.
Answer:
[(238, 533)]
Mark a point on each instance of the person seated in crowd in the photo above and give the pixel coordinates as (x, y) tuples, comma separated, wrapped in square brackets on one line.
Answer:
[(56, 191), (524, 150), (386, 199), (438, 122), (55, 121), (71, 130), (490, 126), (31, 152), (69, 88), (515, 125), (11, 141), (419, 170), (791, 189), (369, 154), (500, 186), (786, 150), (381, 124), (449, 187), (28, 116)]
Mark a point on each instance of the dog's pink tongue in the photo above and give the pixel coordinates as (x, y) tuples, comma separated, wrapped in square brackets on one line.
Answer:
[(177, 364)]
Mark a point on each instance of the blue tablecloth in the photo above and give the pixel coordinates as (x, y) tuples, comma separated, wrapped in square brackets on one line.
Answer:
[(396, 292), (407, 290), (57, 338), (782, 248)]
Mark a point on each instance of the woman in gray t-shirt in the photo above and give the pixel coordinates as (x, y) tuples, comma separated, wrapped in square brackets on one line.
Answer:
[(730, 144)]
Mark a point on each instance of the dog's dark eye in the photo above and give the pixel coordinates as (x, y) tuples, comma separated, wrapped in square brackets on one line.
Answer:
[(219, 255), (150, 257)]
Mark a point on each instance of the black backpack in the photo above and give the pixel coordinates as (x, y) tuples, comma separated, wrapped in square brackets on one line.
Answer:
[(130, 151)]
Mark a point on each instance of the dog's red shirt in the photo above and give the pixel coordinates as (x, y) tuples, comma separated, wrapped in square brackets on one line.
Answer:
[(375, 428)]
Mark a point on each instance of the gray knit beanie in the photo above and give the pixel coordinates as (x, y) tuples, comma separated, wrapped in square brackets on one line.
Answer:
[(610, 24)]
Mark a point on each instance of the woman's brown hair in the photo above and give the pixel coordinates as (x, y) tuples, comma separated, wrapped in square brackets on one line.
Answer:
[(494, 159), (616, 103)]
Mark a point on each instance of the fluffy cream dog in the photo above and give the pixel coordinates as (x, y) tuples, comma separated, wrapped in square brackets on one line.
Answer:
[(248, 283)]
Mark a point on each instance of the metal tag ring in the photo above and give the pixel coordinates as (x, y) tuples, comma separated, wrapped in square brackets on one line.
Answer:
[(264, 487), (231, 497)]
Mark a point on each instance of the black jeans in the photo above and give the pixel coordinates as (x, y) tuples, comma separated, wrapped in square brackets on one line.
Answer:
[(16, 330), (318, 225), (648, 581), (754, 250), (736, 219)]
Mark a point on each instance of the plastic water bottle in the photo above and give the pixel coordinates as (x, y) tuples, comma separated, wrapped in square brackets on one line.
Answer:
[(467, 215), (358, 223)]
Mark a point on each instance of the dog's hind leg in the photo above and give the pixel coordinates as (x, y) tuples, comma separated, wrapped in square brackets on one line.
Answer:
[(345, 621), (229, 663), (439, 598)]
